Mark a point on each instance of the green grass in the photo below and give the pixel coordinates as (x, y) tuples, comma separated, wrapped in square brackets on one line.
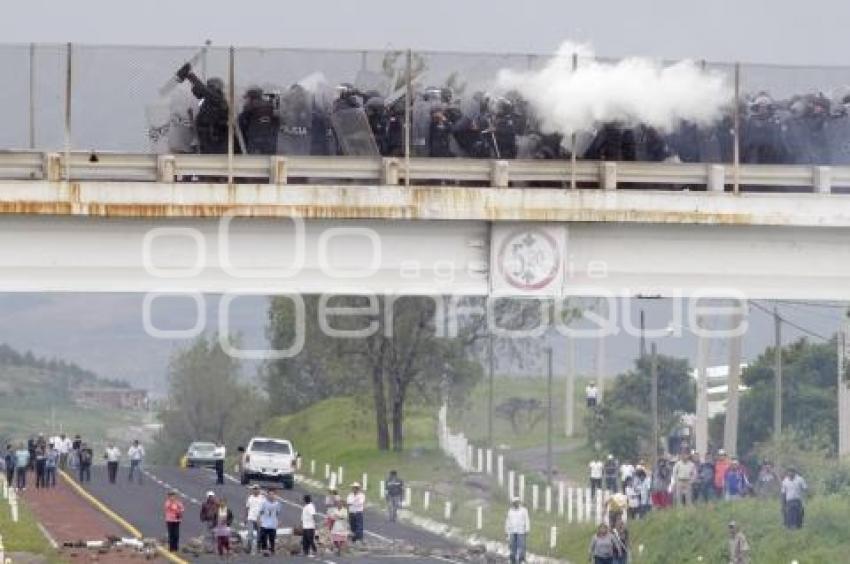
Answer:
[(23, 536), (20, 419)]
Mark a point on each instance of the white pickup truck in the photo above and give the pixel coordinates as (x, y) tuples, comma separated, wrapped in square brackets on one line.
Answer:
[(268, 459)]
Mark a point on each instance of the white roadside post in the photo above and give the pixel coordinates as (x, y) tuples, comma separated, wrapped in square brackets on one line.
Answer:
[(512, 485), (334, 484), (426, 500), (447, 511), (408, 495), (382, 489), (579, 506), (327, 471), (313, 467), (489, 461), (470, 458), (535, 497), (339, 476), (365, 482), (13, 505), (561, 499), (500, 468), (479, 518), (599, 516), (522, 488), (589, 504), (553, 537), (548, 503), (480, 460), (570, 495)]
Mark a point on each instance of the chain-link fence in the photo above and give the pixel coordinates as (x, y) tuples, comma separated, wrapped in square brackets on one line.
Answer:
[(400, 103)]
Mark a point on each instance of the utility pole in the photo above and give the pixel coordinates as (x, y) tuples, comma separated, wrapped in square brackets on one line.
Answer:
[(490, 355), (777, 374), (642, 334), (701, 430), (549, 419), (730, 430), (600, 361), (843, 392), (570, 395), (653, 374)]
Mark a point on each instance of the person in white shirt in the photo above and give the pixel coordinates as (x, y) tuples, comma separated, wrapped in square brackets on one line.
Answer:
[(684, 472), (308, 527), (356, 505), (517, 527), (792, 490), (591, 393), (112, 456), (252, 517), (627, 470), (63, 445), (597, 469), (136, 454)]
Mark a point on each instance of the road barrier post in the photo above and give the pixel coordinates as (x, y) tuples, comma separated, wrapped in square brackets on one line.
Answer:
[(382, 489), (447, 511), (535, 497), (500, 466), (13, 505), (426, 500), (570, 496), (553, 537), (327, 471), (548, 498), (312, 467), (480, 460), (599, 516), (408, 495), (561, 499), (339, 476), (579, 506), (489, 462), (479, 518), (365, 482), (5, 490), (511, 485), (333, 482), (522, 488), (589, 504)]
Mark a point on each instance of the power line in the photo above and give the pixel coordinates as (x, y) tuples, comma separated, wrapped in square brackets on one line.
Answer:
[(800, 308), (830, 305), (789, 322)]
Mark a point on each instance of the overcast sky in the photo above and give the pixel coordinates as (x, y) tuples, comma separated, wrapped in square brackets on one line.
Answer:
[(777, 31)]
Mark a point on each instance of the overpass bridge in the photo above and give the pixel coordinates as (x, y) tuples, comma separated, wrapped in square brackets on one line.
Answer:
[(124, 222)]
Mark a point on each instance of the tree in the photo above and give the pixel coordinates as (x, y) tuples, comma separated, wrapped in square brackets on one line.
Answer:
[(523, 413), (207, 401), (809, 395), (624, 423)]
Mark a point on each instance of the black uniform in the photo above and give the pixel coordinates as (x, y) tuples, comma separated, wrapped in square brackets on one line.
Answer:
[(259, 123), (211, 123)]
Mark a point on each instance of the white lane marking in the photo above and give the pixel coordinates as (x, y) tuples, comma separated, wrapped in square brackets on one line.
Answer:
[(47, 535)]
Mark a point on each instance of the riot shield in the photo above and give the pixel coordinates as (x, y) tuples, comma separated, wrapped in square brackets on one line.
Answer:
[(797, 141), (296, 122), (420, 127), (838, 140), (353, 134)]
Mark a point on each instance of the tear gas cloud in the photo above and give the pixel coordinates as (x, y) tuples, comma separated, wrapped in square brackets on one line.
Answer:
[(632, 91)]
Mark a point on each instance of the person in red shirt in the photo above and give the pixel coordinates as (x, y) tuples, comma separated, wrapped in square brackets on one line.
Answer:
[(721, 465), (173, 516)]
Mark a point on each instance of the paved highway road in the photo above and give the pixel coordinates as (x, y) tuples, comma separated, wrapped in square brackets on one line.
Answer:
[(141, 505)]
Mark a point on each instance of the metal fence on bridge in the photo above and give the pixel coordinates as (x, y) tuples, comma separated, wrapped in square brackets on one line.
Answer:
[(101, 99)]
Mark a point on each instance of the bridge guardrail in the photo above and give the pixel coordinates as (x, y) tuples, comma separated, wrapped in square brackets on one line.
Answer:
[(143, 167)]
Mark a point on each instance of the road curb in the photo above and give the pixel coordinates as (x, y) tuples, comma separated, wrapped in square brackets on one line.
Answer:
[(103, 508)]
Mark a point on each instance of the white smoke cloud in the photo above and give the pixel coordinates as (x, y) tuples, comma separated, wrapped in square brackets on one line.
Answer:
[(632, 91)]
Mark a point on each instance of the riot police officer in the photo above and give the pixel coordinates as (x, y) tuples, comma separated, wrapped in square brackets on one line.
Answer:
[(259, 122), (440, 134), (504, 130), (211, 122)]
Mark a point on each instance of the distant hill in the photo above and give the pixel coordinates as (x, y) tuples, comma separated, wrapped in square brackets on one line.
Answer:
[(26, 378)]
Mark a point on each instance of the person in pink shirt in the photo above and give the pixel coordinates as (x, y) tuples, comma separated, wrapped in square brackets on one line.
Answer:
[(173, 516)]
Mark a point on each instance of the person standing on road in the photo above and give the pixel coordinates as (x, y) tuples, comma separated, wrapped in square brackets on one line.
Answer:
[(356, 506), (207, 515), (76, 445), (9, 464), (735, 482), (219, 464), (40, 467), (86, 458), (602, 546), (739, 548), (136, 454), (627, 470), (591, 395), (792, 490), (223, 519), (173, 516), (517, 527), (252, 517), (621, 542), (22, 462), (395, 494), (50, 467), (337, 521), (308, 527), (112, 456), (269, 520), (684, 472), (64, 445)]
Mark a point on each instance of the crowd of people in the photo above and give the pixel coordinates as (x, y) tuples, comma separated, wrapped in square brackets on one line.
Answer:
[(42, 456), (803, 129), (262, 516)]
